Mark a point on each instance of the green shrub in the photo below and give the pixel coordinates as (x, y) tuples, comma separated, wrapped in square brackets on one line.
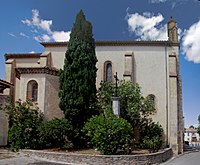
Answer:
[(24, 121), (55, 133), (109, 135), (151, 136), (152, 144)]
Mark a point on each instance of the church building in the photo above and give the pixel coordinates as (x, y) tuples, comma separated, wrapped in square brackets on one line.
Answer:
[(154, 65)]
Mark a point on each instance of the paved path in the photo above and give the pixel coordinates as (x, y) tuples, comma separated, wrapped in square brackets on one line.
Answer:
[(192, 158), (11, 158)]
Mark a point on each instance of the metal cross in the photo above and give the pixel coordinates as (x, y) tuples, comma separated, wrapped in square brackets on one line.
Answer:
[(116, 80)]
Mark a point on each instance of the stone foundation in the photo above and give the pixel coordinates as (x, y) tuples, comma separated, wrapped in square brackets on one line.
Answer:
[(143, 159)]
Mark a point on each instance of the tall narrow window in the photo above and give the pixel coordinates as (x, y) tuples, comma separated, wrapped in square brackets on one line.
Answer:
[(32, 90), (152, 100), (108, 71)]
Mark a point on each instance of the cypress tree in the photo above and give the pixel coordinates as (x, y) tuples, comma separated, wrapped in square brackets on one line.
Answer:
[(78, 77)]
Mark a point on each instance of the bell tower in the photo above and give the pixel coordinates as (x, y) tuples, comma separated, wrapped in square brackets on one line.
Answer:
[(172, 31)]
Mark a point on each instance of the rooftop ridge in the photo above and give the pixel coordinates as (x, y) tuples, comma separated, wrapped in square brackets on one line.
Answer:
[(21, 55), (118, 43), (28, 53)]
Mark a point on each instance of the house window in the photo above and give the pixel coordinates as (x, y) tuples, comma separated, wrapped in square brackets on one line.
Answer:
[(32, 90), (151, 99), (108, 71)]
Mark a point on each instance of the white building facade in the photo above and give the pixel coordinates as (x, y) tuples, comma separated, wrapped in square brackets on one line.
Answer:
[(192, 137), (154, 65)]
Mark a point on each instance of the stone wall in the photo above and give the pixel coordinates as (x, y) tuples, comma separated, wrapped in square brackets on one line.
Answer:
[(3, 122), (144, 159), (51, 102)]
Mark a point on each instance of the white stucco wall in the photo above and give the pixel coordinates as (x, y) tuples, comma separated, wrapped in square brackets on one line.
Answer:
[(150, 71), (151, 76), (27, 62), (152, 66), (188, 136), (57, 56), (40, 79)]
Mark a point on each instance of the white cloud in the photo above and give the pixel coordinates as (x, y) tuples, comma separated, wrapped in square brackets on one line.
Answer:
[(32, 52), (37, 22), (37, 38), (34, 31), (147, 26), (12, 35), (61, 36), (46, 38), (42, 38), (157, 1), (191, 40), (45, 25), (23, 35)]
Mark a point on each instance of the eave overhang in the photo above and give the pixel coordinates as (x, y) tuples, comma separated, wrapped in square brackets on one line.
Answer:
[(4, 85), (36, 70), (21, 55), (116, 43)]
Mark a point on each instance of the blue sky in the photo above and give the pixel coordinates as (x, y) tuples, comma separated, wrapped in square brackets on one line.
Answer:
[(26, 23)]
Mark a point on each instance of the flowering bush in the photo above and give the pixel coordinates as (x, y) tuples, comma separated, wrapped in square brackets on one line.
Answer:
[(56, 133), (24, 121)]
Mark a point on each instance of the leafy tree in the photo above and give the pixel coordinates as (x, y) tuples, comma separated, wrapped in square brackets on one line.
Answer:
[(78, 77), (198, 129), (109, 134), (199, 119), (192, 127), (104, 95), (134, 108), (24, 121)]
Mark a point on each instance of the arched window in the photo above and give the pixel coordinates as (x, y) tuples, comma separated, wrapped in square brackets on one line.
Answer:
[(108, 71), (151, 99), (32, 90)]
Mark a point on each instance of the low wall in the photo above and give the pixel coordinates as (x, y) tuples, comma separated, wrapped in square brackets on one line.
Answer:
[(143, 159), (3, 121)]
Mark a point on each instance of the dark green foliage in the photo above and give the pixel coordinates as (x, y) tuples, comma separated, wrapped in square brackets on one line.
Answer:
[(192, 127), (135, 109), (151, 136), (55, 133), (153, 144), (109, 135), (198, 129), (78, 77), (27, 128), (133, 106), (199, 119), (104, 94), (24, 121)]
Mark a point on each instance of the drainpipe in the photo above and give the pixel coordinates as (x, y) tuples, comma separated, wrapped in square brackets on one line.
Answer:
[(167, 108)]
